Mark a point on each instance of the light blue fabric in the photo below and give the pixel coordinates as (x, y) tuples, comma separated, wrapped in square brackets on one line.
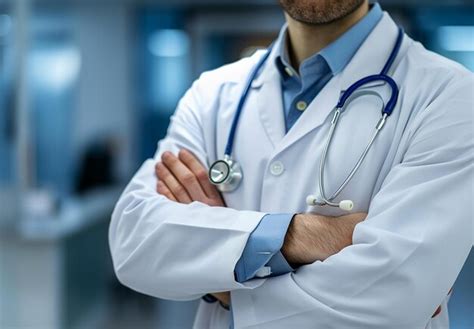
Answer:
[(318, 69), (265, 241), (264, 244)]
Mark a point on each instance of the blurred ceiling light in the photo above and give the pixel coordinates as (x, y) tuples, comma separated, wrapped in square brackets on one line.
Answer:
[(456, 38), (5, 25), (55, 69), (168, 43)]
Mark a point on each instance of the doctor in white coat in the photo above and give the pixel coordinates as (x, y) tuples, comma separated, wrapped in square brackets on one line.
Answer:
[(259, 255)]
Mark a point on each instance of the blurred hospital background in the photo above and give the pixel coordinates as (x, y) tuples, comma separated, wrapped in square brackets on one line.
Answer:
[(86, 90)]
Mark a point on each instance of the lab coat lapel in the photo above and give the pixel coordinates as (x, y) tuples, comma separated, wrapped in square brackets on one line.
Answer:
[(368, 60), (270, 103)]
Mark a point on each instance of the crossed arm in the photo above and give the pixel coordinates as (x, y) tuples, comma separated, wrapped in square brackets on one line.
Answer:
[(395, 254), (310, 237)]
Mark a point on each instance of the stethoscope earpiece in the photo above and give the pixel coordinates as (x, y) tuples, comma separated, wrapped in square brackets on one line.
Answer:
[(346, 205), (312, 200)]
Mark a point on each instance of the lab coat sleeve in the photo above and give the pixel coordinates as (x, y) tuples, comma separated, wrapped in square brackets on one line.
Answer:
[(406, 255), (171, 250)]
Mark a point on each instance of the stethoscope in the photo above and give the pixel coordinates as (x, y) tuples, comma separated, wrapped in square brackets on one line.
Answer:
[(227, 174)]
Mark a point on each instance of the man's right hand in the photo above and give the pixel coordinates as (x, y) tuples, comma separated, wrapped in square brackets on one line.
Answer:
[(313, 237), (184, 179)]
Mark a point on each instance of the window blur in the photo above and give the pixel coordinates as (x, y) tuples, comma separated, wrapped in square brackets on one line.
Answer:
[(87, 88)]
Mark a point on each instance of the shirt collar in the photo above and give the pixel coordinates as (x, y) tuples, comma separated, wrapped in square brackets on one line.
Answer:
[(337, 54), (281, 49)]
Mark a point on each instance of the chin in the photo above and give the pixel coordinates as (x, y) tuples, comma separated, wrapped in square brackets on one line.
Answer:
[(316, 12)]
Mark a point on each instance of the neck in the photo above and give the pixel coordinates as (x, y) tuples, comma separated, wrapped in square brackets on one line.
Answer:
[(306, 40)]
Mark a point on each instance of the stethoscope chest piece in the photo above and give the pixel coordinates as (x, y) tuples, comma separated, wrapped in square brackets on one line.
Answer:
[(226, 174)]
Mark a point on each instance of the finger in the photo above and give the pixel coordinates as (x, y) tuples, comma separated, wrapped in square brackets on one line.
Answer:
[(156, 168), (184, 176), (165, 191), (199, 171), (223, 297), (172, 183)]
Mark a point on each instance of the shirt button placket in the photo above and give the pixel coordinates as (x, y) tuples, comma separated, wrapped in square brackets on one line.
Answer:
[(301, 106)]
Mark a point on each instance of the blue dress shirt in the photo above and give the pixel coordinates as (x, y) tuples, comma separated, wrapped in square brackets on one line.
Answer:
[(261, 256)]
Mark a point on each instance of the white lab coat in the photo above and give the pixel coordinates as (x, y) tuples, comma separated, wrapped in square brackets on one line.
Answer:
[(416, 185)]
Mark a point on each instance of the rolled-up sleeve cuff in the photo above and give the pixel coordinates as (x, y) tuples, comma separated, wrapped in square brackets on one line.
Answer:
[(262, 250), (279, 265)]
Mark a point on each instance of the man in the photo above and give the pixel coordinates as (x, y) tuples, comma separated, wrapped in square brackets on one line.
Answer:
[(258, 256)]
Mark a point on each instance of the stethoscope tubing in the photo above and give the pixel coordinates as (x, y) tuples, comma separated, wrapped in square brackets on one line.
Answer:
[(387, 110), (230, 140), (382, 76), (337, 114), (339, 109)]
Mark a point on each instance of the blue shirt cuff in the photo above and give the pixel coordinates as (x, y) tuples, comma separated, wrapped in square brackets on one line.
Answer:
[(279, 265), (262, 250)]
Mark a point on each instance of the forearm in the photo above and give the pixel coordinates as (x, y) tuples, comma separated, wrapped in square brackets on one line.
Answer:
[(152, 239), (310, 238), (313, 237)]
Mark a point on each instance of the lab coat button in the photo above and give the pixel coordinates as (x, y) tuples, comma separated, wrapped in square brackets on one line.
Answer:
[(301, 105), (277, 168)]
